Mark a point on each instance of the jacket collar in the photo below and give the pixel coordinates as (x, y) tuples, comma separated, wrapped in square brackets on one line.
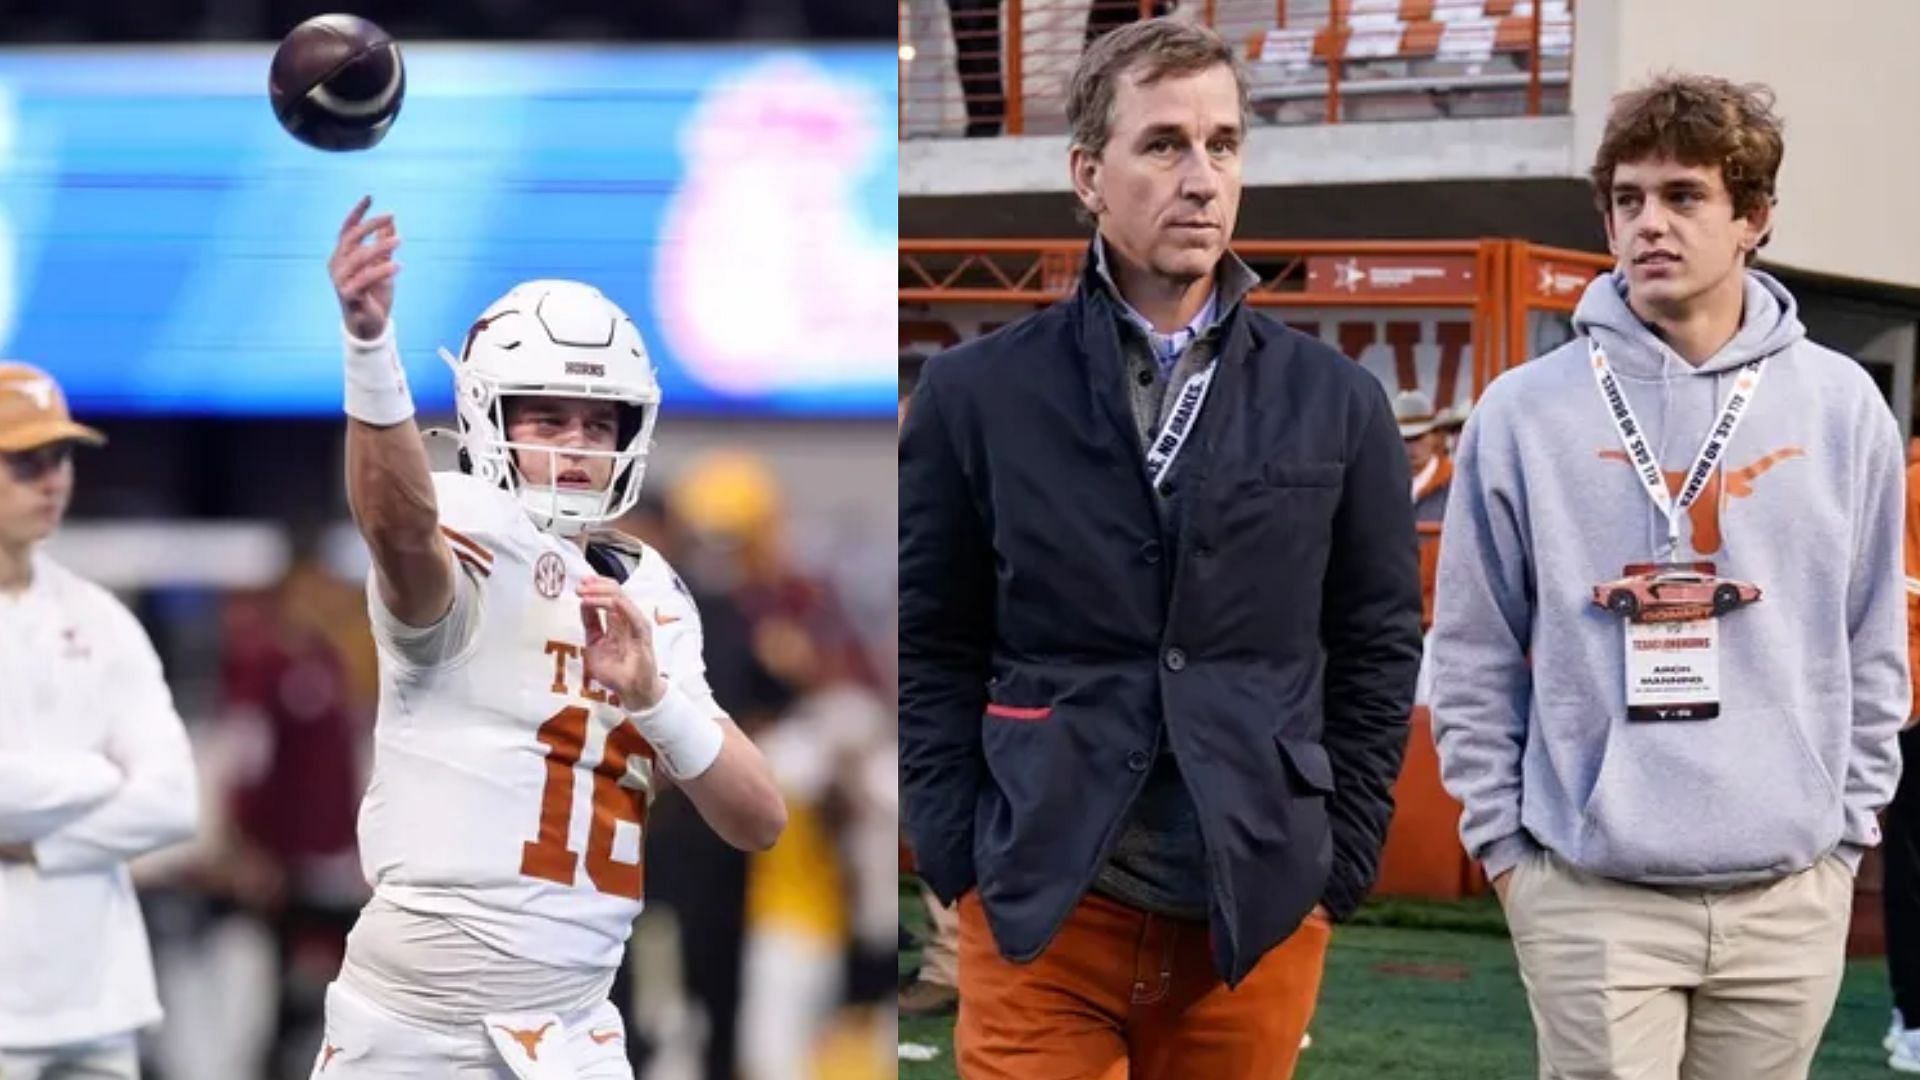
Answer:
[(1096, 321), (1100, 307), (1233, 280)]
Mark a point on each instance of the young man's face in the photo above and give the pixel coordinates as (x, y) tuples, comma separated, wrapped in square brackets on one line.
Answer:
[(1673, 228), (1166, 188), (567, 424), (35, 487)]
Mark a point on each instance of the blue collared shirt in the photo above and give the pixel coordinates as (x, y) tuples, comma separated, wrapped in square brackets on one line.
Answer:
[(1166, 347)]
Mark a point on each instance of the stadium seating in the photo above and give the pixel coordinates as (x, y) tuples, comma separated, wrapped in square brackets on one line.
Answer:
[(1405, 59)]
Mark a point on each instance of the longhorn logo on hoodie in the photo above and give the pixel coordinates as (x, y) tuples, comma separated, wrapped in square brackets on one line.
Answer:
[(1704, 514)]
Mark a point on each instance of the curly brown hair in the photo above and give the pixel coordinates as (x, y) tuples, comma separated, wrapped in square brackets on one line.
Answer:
[(1696, 120)]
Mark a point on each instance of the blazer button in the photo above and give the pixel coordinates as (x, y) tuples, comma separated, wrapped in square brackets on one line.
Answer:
[(1165, 488), (1150, 552), (1176, 660), (1144, 377), (1138, 761)]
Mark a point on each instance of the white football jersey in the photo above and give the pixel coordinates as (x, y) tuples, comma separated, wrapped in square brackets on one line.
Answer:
[(509, 791)]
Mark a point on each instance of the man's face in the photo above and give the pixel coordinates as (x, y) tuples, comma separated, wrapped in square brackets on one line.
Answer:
[(1421, 449), (1166, 188), (1673, 228), (566, 424), (35, 487)]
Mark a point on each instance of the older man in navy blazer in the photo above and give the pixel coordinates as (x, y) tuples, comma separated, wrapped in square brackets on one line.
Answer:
[(1159, 621)]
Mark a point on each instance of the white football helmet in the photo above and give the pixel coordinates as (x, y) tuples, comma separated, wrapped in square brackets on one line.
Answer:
[(559, 339)]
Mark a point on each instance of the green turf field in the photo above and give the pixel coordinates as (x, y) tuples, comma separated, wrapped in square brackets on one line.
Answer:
[(1429, 992)]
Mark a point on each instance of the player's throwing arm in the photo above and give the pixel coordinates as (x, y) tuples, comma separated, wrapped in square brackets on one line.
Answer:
[(389, 483)]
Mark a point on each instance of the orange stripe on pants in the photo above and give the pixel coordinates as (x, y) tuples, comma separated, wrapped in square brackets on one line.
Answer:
[(1123, 995)]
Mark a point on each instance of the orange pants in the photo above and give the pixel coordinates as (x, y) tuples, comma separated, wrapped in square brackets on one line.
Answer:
[(1123, 994)]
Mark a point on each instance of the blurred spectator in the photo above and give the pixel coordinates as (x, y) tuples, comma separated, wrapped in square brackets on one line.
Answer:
[(1425, 434), (95, 770), (696, 882), (818, 910), (751, 693), (1426, 454), (800, 631), (294, 864)]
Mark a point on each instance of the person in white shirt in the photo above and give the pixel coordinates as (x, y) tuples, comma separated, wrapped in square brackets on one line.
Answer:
[(95, 769), (538, 673)]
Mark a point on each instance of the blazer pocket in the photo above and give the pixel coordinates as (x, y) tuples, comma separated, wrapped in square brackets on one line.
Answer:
[(1015, 712), (1308, 762), (1303, 474)]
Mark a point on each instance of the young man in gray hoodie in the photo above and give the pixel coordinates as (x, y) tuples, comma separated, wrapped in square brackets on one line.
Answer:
[(1670, 650)]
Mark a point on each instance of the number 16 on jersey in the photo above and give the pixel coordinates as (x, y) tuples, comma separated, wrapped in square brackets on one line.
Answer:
[(549, 857)]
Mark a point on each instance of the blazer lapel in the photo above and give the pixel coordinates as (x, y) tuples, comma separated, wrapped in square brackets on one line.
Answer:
[(1104, 367)]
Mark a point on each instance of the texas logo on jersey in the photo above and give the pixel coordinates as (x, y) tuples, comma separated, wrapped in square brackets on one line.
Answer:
[(1723, 483)]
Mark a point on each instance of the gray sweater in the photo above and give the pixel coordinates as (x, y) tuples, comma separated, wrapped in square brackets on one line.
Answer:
[(1528, 675), (1159, 860)]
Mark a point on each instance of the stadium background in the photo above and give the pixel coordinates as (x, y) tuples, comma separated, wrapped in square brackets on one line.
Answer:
[(726, 172), (1415, 195)]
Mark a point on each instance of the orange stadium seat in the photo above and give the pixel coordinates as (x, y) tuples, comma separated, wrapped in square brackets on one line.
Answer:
[(1421, 52)]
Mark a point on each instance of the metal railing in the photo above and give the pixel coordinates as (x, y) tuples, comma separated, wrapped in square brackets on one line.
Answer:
[(992, 67)]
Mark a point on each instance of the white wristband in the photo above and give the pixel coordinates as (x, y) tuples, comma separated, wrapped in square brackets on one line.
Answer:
[(377, 391), (683, 733)]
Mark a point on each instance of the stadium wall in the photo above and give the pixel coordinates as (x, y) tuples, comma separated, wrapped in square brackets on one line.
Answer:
[(1847, 85)]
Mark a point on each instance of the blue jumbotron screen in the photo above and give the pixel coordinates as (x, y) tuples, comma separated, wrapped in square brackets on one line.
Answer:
[(163, 243)]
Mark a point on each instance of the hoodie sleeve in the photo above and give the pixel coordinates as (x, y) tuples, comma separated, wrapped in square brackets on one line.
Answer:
[(1482, 611), (1876, 633)]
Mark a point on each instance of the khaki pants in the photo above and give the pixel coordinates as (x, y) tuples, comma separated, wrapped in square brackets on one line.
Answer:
[(1636, 982), (939, 959)]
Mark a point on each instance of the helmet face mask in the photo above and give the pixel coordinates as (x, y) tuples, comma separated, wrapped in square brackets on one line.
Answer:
[(555, 339)]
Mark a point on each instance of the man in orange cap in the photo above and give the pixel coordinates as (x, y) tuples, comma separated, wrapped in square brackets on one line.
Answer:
[(95, 769), (37, 437)]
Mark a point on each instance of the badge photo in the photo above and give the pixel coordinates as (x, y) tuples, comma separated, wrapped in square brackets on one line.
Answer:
[(1670, 613)]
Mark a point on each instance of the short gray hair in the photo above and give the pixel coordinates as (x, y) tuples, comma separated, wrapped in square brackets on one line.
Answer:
[(1155, 48)]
